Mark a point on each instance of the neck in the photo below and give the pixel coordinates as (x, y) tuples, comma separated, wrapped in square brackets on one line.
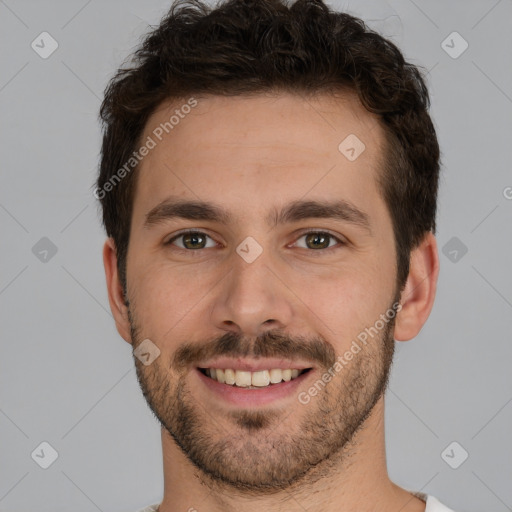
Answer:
[(354, 480)]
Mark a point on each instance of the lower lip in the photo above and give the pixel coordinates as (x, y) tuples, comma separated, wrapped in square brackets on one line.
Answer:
[(253, 397)]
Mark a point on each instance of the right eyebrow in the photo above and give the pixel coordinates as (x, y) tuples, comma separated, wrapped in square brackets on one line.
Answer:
[(191, 210)]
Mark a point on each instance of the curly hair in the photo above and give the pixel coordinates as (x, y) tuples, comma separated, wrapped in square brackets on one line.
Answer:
[(257, 46)]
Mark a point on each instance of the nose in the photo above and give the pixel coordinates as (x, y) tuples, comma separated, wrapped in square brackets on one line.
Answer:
[(252, 299)]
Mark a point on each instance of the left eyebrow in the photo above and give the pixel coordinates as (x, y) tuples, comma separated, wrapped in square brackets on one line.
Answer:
[(339, 210)]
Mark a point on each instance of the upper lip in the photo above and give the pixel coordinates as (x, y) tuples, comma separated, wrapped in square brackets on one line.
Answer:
[(254, 365)]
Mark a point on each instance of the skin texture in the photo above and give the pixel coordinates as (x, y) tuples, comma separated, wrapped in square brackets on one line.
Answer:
[(251, 156)]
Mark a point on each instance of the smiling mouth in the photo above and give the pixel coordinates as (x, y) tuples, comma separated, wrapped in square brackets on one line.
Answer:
[(252, 380)]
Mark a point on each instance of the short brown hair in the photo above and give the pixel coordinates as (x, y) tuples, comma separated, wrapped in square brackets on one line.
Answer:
[(250, 46)]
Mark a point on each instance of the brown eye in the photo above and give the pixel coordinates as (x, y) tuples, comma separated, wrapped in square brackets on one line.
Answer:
[(192, 240), (317, 240)]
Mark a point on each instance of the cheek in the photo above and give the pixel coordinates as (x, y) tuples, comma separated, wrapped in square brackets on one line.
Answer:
[(169, 297), (342, 303)]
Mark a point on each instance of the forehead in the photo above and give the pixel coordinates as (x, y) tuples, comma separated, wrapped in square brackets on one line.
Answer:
[(246, 148)]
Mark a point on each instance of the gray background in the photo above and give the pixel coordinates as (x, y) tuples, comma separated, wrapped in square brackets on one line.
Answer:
[(67, 378)]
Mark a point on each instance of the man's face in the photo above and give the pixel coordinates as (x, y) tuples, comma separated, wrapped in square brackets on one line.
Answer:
[(277, 274)]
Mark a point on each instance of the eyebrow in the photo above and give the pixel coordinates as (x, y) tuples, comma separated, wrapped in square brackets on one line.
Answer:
[(173, 208), (338, 210), (185, 209)]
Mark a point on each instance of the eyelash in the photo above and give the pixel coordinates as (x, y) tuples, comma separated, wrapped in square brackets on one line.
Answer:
[(340, 244)]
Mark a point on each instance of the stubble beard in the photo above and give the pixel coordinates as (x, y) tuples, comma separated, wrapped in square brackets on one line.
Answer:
[(264, 451)]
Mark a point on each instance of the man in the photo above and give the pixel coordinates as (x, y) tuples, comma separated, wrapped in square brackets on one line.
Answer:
[(268, 181)]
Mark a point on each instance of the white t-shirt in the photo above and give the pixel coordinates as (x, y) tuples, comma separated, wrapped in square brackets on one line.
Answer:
[(433, 504)]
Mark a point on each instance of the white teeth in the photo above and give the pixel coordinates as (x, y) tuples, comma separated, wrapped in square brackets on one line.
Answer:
[(243, 379), (261, 379), (246, 379), (230, 377), (276, 376)]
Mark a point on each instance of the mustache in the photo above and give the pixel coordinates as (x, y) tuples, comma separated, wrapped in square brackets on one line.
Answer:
[(268, 344)]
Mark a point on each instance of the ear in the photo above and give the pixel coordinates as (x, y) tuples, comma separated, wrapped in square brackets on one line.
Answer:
[(115, 291), (418, 296)]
